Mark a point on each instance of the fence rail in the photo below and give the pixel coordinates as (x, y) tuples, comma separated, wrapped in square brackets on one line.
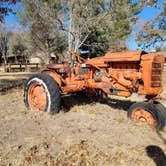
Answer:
[(21, 67)]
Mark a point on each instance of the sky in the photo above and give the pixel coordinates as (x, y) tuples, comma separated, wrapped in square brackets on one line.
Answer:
[(146, 14), (12, 20)]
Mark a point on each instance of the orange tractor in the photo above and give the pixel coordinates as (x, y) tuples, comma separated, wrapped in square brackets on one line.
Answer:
[(121, 74)]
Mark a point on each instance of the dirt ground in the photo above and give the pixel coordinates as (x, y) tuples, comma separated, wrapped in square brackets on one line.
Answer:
[(87, 134)]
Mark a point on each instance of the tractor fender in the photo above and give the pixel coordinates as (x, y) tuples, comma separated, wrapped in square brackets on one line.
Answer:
[(54, 75)]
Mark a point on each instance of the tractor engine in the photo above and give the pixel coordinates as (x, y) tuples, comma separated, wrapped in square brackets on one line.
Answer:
[(126, 72)]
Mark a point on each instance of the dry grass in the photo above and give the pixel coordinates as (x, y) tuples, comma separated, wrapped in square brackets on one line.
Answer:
[(89, 134)]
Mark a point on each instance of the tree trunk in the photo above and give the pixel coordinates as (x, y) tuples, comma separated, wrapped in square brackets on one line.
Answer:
[(5, 59), (47, 58), (70, 36)]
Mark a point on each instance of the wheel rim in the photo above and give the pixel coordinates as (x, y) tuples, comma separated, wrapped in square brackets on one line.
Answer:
[(143, 115), (37, 97)]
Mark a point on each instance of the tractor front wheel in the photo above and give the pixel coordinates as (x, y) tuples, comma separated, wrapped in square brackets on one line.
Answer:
[(147, 113), (42, 93)]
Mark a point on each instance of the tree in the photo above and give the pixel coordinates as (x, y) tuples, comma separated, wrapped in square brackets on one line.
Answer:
[(124, 15), (45, 36), (4, 44), (65, 19), (153, 34), (19, 44), (93, 27), (111, 33)]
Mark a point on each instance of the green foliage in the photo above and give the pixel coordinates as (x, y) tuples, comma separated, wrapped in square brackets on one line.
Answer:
[(18, 46), (113, 30), (96, 43), (87, 20)]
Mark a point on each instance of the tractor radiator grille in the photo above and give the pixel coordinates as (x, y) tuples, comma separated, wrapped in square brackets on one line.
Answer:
[(156, 75)]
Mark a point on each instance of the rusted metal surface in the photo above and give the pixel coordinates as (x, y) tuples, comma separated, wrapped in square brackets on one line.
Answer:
[(37, 97), (132, 56), (142, 115), (121, 73), (60, 68)]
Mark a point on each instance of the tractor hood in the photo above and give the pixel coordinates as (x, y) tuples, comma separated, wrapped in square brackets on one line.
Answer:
[(117, 57)]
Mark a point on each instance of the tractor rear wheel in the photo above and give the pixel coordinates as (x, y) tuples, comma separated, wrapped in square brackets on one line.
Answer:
[(148, 113), (42, 93)]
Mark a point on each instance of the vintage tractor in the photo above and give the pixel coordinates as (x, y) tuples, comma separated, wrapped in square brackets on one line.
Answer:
[(121, 74)]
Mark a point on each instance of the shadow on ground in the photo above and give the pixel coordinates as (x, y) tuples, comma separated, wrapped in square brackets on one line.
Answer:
[(68, 101), (81, 99), (120, 104), (156, 154)]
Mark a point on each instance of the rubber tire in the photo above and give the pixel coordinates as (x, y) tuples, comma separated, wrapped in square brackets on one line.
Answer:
[(152, 109), (161, 109), (51, 87), (103, 97)]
